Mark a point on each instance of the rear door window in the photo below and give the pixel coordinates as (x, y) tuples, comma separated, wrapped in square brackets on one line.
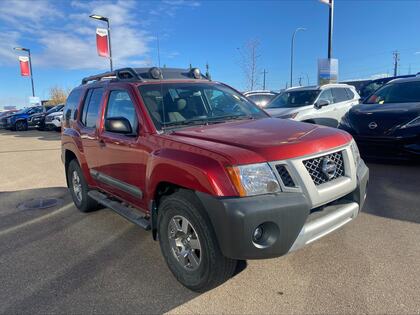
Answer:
[(91, 107), (340, 95)]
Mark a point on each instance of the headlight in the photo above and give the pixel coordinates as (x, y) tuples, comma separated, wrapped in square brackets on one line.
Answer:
[(253, 179), (289, 116), (58, 117), (356, 153), (413, 123), (345, 121)]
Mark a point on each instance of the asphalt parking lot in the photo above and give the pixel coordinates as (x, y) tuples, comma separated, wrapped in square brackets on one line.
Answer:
[(58, 260)]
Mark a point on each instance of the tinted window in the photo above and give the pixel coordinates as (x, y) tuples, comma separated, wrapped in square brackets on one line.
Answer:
[(405, 92), (120, 105), (371, 87), (91, 107), (289, 99), (71, 105), (326, 95), (339, 95)]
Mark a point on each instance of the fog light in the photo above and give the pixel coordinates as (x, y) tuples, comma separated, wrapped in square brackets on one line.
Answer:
[(258, 234)]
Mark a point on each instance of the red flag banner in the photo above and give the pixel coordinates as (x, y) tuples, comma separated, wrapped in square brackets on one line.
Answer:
[(24, 66), (102, 42)]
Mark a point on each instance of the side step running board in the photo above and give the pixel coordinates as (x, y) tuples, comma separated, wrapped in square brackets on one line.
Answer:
[(126, 212)]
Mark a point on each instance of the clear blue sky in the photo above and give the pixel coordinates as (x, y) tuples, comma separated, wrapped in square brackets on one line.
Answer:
[(62, 39)]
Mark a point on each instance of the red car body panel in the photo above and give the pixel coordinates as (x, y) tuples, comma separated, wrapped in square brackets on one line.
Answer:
[(195, 157)]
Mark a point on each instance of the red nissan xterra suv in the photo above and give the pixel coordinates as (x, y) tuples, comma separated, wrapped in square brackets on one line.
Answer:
[(212, 176)]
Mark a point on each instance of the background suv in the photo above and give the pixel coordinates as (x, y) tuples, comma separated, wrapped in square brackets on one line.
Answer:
[(38, 119), (19, 120), (323, 105), (387, 124)]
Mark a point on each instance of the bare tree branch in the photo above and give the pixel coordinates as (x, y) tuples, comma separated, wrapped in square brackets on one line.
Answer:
[(250, 55)]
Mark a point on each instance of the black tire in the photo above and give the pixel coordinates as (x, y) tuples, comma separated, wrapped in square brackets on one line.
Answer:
[(21, 125), (214, 268), (85, 203)]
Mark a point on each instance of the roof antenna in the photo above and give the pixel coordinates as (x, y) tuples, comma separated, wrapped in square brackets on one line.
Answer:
[(158, 50)]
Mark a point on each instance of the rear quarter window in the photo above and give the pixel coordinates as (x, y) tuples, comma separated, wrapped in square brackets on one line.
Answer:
[(339, 95), (350, 94), (91, 107), (71, 107)]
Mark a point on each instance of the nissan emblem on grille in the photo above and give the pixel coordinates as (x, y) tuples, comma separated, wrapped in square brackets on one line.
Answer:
[(328, 168), (325, 168), (372, 125)]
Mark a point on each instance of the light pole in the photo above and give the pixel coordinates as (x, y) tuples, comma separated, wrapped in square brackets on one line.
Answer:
[(30, 65), (292, 52), (330, 28), (105, 19)]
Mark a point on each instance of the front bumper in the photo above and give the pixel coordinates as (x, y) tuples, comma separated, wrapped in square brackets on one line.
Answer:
[(389, 147), (54, 123), (286, 218)]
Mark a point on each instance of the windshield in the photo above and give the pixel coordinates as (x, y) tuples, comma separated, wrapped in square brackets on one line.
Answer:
[(371, 87), (179, 104), (290, 99), (404, 92)]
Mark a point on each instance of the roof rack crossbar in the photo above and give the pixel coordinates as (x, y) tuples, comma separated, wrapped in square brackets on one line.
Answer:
[(97, 77), (120, 74)]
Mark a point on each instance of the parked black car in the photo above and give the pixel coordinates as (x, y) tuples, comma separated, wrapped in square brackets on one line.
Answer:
[(387, 124), (372, 85), (38, 119)]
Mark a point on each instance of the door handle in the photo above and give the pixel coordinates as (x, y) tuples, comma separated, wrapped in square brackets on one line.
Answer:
[(102, 143)]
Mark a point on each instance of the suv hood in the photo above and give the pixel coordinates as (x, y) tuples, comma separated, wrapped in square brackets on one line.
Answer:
[(55, 114), (276, 112), (261, 140)]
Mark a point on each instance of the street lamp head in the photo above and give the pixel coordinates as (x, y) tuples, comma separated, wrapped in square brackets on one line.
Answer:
[(21, 48), (99, 17)]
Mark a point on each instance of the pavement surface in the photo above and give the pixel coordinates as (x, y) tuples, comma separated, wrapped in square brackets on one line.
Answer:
[(58, 260)]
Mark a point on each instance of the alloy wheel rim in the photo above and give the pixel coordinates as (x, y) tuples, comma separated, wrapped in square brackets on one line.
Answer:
[(184, 242), (77, 186)]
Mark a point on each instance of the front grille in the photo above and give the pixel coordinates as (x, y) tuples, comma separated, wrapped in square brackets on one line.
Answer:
[(285, 176), (49, 118), (325, 168)]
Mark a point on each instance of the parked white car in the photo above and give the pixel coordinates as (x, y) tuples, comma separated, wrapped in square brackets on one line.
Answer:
[(323, 105), (53, 120)]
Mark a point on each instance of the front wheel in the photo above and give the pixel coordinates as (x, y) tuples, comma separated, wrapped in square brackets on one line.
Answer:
[(189, 245), (21, 125)]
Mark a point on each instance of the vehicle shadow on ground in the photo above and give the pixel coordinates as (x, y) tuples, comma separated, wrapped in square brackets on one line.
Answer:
[(394, 191), (61, 259), (33, 133)]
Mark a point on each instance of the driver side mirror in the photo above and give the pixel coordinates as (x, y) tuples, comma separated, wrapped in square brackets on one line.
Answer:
[(118, 125), (322, 103)]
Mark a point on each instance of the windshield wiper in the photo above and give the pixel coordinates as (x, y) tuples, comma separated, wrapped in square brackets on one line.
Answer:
[(169, 125), (229, 117)]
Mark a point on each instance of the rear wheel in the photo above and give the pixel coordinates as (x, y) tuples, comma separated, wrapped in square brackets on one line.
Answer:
[(189, 245), (79, 188)]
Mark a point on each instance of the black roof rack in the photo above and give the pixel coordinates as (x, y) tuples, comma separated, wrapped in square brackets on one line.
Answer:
[(146, 74)]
